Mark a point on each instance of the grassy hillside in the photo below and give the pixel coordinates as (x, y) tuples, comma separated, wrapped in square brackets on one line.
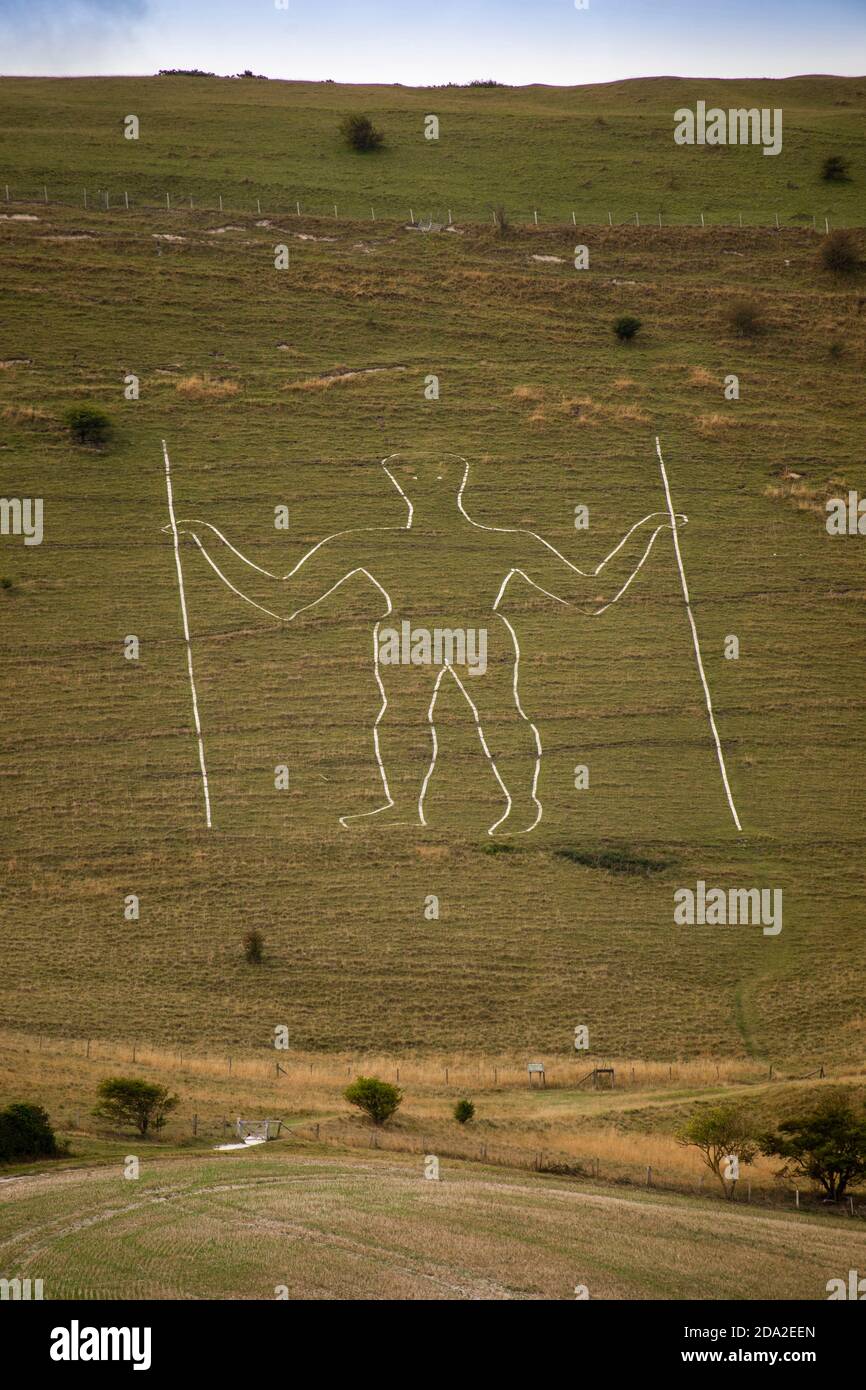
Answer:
[(101, 793), (591, 150), (334, 1227)]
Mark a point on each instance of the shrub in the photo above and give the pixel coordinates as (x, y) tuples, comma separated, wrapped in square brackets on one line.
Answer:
[(626, 326), (840, 253), (835, 169), (719, 1133), (744, 318), (88, 425), (254, 947), (360, 134), (25, 1132), (378, 1099), (7, 583), (464, 1111), (827, 1145), (124, 1100)]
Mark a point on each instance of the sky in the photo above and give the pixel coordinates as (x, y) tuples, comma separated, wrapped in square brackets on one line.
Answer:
[(423, 42)]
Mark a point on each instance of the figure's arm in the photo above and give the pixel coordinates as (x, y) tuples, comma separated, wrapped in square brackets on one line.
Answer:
[(321, 570), (592, 591)]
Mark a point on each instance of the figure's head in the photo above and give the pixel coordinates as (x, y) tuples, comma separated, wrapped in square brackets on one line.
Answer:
[(425, 477)]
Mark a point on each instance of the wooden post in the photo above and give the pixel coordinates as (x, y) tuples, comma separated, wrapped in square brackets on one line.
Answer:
[(87, 1053), (850, 1206), (317, 1129), (573, 217), (412, 217), (221, 202), (7, 195), (126, 200), (194, 1126), (85, 196), (372, 215), (637, 219), (702, 220), (496, 1076), (335, 209), (259, 206), (167, 201), (660, 219), (535, 213), (446, 1076), (134, 1045), (298, 206), (230, 1066), (649, 1176), (610, 218), (826, 224), (797, 1198)]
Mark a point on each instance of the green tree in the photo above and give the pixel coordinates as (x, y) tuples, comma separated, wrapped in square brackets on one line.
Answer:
[(464, 1111), (124, 1100), (826, 1145), (88, 425), (378, 1099), (719, 1133)]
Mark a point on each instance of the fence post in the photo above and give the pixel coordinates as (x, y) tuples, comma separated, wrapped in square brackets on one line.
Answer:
[(573, 217), (610, 218), (167, 200), (221, 202), (126, 199), (259, 206), (298, 206), (649, 1176), (797, 1198), (449, 217), (194, 1126), (535, 214)]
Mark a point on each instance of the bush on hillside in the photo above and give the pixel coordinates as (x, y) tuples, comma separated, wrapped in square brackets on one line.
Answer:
[(835, 169), (125, 1100), (360, 134), (88, 425), (464, 1111), (254, 947), (840, 253), (626, 326), (378, 1099), (25, 1132), (744, 318)]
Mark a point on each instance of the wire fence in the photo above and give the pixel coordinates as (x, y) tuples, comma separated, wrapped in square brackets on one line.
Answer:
[(420, 213)]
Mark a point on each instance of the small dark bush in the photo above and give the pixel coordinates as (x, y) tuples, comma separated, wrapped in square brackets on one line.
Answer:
[(840, 253), (835, 169), (25, 1132), (360, 134), (626, 327), (744, 318), (88, 425), (6, 582), (464, 1111), (378, 1099), (254, 947)]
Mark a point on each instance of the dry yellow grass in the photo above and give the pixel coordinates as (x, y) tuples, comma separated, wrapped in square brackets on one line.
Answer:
[(341, 376), (528, 393), (26, 415), (204, 388), (699, 376), (714, 423)]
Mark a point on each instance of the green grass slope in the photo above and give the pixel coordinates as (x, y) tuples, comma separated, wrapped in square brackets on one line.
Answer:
[(101, 795), (592, 150)]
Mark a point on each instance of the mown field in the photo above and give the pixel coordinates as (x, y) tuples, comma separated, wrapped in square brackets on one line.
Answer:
[(314, 1226), (101, 795)]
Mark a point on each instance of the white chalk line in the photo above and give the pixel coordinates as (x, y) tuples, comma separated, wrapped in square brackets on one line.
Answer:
[(695, 641), (186, 635), (513, 530)]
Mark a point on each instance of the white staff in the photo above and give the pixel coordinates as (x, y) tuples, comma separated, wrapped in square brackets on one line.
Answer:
[(186, 636), (701, 673)]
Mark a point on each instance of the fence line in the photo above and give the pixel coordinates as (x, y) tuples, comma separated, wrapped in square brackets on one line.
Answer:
[(100, 200)]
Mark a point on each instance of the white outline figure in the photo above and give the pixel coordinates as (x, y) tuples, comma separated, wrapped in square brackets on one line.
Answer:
[(543, 558)]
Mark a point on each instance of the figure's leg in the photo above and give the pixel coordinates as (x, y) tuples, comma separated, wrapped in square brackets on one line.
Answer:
[(510, 740), (404, 741)]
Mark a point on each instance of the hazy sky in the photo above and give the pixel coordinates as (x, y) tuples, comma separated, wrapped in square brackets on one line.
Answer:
[(427, 41)]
